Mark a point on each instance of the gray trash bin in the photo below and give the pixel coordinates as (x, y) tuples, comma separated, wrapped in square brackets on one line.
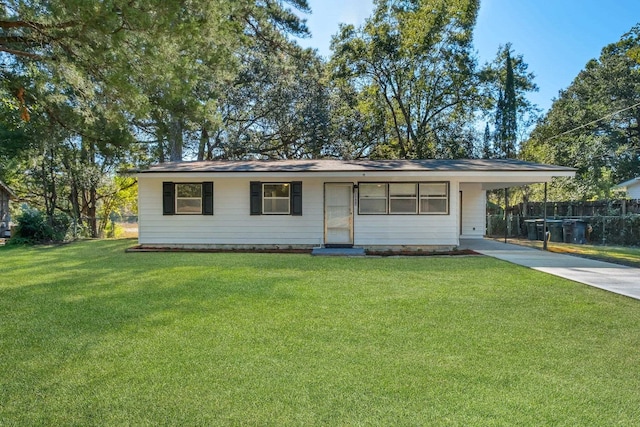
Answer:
[(575, 231), (580, 232), (555, 228), (567, 230), (532, 233), (539, 229)]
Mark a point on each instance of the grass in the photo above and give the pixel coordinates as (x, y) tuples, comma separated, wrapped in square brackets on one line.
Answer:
[(90, 335), (629, 256)]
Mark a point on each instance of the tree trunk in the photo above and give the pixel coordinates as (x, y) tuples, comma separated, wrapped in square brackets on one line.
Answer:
[(92, 211), (175, 140), (204, 140)]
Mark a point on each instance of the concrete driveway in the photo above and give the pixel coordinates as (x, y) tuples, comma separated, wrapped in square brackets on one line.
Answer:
[(611, 277)]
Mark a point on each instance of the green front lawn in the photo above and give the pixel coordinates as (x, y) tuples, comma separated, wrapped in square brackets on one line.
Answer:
[(90, 335)]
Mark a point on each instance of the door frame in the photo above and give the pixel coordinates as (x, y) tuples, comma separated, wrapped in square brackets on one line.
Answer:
[(460, 222), (351, 212)]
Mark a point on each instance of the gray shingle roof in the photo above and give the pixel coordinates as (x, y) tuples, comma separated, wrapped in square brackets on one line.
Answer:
[(327, 165), (8, 190)]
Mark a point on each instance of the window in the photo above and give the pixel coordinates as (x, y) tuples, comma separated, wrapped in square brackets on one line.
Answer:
[(403, 198), (193, 198), (275, 198), (372, 198), (189, 199), (434, 198)]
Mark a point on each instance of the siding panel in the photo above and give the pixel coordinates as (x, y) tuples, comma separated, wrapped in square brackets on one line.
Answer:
[(233, 224), (473, 210)]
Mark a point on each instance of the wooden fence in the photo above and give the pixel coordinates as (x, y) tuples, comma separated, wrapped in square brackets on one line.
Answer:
[(621, 230), (619, 207)]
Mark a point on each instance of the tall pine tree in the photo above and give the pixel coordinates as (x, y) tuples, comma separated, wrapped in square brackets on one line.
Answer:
[(506, 114)]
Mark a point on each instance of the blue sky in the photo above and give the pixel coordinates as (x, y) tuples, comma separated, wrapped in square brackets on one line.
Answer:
[(556, 37)]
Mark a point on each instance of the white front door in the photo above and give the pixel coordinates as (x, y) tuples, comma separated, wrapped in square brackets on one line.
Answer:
[(338, 214)]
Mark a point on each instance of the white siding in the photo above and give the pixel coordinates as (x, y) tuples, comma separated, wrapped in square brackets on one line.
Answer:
[(473, 210), (231, 224), (633, 191), (409, 230)]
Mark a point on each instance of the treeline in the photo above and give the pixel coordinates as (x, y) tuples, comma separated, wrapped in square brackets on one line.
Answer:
[(91, 88)]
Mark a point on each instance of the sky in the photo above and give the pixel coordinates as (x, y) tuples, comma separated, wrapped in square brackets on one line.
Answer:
[(555, 37)]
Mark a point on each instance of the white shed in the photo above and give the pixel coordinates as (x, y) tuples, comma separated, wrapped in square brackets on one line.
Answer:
[(301, 204), (632, 187), (6, 194)]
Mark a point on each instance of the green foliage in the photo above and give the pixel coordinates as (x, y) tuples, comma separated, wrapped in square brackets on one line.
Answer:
[(506, 81), (593, 126), (276, 107), (34, 227), (413, 71), (622, 230), (114, 85)]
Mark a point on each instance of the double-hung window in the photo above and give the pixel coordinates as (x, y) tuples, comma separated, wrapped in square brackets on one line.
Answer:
[(187, 198), (275, 198), (403, 198), (434, 198), (373, 198)]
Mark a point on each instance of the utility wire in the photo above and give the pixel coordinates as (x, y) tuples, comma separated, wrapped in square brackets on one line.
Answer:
[(594, 121)]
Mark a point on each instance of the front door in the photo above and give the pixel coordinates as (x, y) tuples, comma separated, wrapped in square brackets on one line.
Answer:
[(338, 214)]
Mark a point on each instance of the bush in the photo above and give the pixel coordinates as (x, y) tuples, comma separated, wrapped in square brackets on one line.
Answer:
[(34, 227), (619, 230)]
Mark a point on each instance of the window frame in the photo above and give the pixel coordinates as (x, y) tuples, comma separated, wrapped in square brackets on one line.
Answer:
[(177, 198), (170, 198), (446, 198), (415, 198), (265, 199), (419, 197), (386, 198)]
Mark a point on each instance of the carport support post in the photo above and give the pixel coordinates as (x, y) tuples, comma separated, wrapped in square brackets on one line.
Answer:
[(544, 220), (506, 217)]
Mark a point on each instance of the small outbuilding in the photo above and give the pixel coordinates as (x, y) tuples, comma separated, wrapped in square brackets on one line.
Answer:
[(302, 204), (632, 187), (6, 194)]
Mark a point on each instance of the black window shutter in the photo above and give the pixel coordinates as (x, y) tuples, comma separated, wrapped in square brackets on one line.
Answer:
[(296, 198), (207, 198), (168, 198), (255, 190)]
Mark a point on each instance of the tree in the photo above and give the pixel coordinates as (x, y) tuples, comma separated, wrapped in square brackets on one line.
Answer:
[(507, 127), (277, 107), (507, 82), (487, 149), (152, 60), (412, 63), (594, 124), (89, 78)]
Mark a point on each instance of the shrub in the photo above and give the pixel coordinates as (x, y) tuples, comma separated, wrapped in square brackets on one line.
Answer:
[(35, 227), (619, 230)]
